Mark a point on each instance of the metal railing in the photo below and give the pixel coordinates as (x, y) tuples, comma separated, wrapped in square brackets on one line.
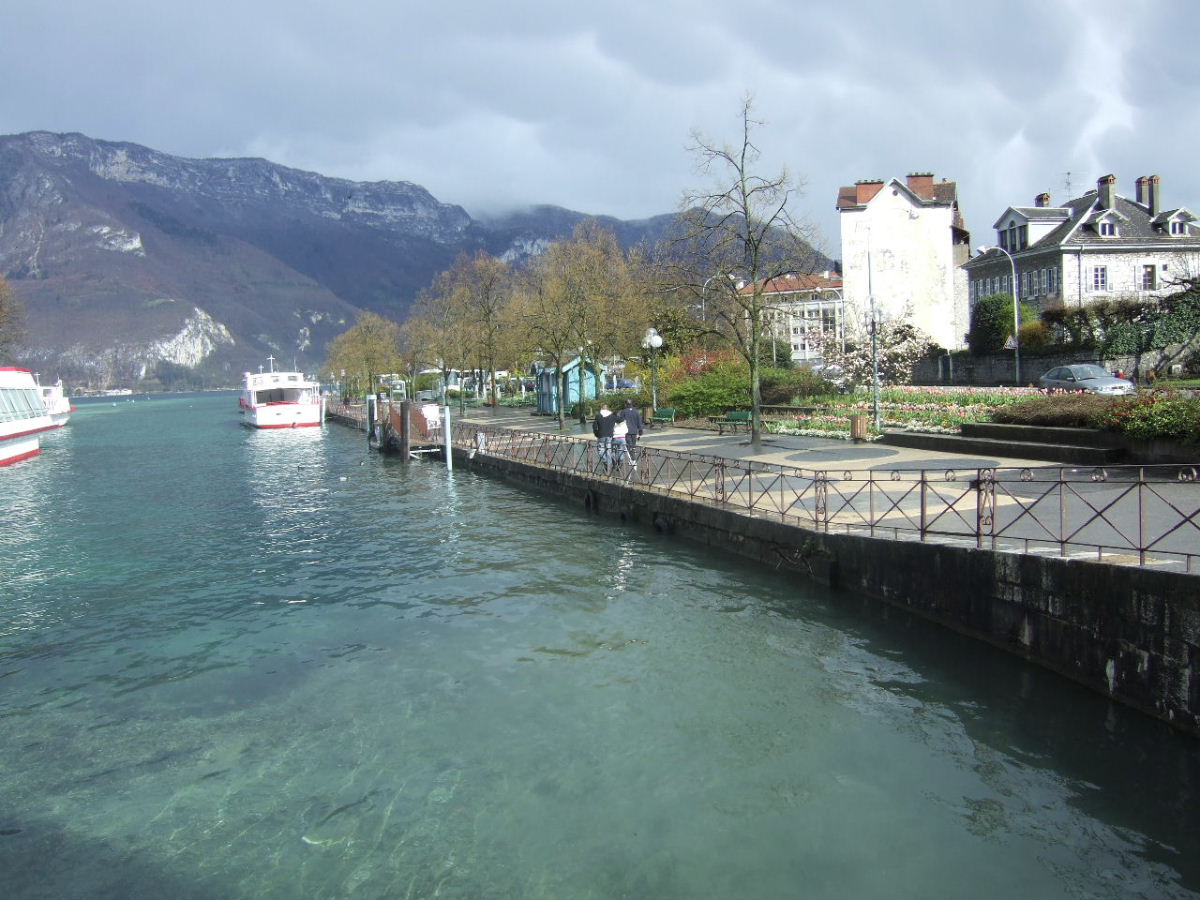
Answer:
[(1143, 515)]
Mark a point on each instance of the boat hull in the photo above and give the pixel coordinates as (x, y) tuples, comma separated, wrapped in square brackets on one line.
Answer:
[(282, 416), (23, 416)]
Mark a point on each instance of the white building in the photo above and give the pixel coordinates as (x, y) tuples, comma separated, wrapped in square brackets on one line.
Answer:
[(902, 247), (801, 310), (1095, 247)]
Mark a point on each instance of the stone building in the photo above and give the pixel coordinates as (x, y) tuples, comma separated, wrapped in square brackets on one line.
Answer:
[(1097, 246), (903, 243), (802, 311)]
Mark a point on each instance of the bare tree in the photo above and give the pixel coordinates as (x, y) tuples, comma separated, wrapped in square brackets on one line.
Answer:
[(584, 300), (479, 288), (367, 350), (737, 236), (546, 323)]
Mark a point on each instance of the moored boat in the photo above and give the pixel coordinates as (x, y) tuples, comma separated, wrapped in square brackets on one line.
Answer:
[(58, 406), (23, 416), (281, 400)]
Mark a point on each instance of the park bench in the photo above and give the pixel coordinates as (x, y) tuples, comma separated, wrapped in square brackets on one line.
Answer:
[(664, 414), (733, 420)]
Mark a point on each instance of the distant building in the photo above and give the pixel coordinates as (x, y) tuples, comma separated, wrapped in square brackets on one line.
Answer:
[(903, 244), (1094, 247), (578, 378), (801, 309)]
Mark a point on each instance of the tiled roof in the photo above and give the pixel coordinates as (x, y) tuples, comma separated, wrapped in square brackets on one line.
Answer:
[(847, 196), (1046, 213), (945, 193), (786, 284)]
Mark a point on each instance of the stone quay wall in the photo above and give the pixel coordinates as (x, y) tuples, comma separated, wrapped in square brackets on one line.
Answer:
[(1130, 633)]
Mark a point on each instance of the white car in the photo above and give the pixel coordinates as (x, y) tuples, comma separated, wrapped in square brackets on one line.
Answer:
[(1085, 377)]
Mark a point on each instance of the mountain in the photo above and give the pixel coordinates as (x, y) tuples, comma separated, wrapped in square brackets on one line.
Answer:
[(127, 258)]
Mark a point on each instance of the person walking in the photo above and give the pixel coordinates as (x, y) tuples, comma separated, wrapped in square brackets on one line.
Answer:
[(602, 428), (633, 420), (620, 447)]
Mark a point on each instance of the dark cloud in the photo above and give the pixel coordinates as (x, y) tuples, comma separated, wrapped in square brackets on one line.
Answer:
[(590, 105)]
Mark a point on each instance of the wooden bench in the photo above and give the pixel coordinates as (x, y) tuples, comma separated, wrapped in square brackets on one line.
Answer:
[(738, 418), (664, 414)]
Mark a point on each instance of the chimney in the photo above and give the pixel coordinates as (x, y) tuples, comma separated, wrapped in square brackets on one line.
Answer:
[(1105, 185), (1152, 195), (866, 190), (1042, 200), (1139, 193), (921, 184)]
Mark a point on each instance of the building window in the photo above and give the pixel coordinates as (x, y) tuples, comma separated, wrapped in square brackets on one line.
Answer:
[(1177, 227), (1052, 281), (1149, 282), (1100, 278), (1108, 229)]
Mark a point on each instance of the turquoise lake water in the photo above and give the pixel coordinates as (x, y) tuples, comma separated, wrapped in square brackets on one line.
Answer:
[(240, 664)]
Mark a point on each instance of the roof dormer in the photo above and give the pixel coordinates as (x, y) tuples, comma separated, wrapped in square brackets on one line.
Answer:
[(1174, 222), (1106, 222)]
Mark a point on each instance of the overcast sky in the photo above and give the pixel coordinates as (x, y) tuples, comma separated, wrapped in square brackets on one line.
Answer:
[(591, 105)]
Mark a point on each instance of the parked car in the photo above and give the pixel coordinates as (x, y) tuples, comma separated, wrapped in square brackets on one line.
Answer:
[(1085, 377), (618, 384)]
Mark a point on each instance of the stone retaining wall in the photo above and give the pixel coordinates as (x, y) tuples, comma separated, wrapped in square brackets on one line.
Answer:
[(1130, 633), (997, 368)]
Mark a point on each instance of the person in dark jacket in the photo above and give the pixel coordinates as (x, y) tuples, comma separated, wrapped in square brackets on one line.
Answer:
[(602, 428), (633, 420)]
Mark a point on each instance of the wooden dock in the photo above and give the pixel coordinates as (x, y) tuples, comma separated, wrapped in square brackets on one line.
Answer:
[(401, 428)]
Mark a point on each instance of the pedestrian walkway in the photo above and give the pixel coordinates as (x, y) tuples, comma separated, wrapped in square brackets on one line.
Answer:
[(820, 454), (1120, 514)]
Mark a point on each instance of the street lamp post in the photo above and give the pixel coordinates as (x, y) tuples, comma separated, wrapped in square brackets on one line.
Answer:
[(875, 367), (1016, 295), (652, 341)]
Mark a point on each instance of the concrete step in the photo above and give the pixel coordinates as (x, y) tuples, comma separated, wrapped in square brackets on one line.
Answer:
[(1041, 434), (1071, 454)]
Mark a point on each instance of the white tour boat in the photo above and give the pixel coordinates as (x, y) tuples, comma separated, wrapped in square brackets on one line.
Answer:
[(281, 400), (23, 416), (58, 406)]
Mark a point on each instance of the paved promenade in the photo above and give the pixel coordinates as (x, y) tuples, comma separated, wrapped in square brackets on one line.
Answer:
[(821, 454)]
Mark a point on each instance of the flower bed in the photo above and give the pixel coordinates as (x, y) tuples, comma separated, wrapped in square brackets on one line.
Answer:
[(935, 410)]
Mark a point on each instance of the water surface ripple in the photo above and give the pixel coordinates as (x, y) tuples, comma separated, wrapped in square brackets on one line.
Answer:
[(272, 665)]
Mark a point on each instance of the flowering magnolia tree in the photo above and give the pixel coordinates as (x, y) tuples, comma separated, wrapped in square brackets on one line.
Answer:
[(899, 347)]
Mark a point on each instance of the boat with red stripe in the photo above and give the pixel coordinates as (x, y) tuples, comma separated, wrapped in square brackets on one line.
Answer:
[(281, 399)]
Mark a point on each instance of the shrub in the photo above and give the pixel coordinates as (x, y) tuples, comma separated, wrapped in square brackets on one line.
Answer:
[(722, 387), (1164, 416), (1063, 410), (1035, 335), (991, 323), (783, 386)]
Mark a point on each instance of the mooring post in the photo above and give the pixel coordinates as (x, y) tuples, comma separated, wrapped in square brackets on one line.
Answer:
[(405, 430), (446, 438)]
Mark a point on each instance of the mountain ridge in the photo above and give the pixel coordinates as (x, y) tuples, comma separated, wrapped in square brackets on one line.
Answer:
[(127, 258)]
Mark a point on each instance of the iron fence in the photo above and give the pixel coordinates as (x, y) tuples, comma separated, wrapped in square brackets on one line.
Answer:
[(1143, 515)]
